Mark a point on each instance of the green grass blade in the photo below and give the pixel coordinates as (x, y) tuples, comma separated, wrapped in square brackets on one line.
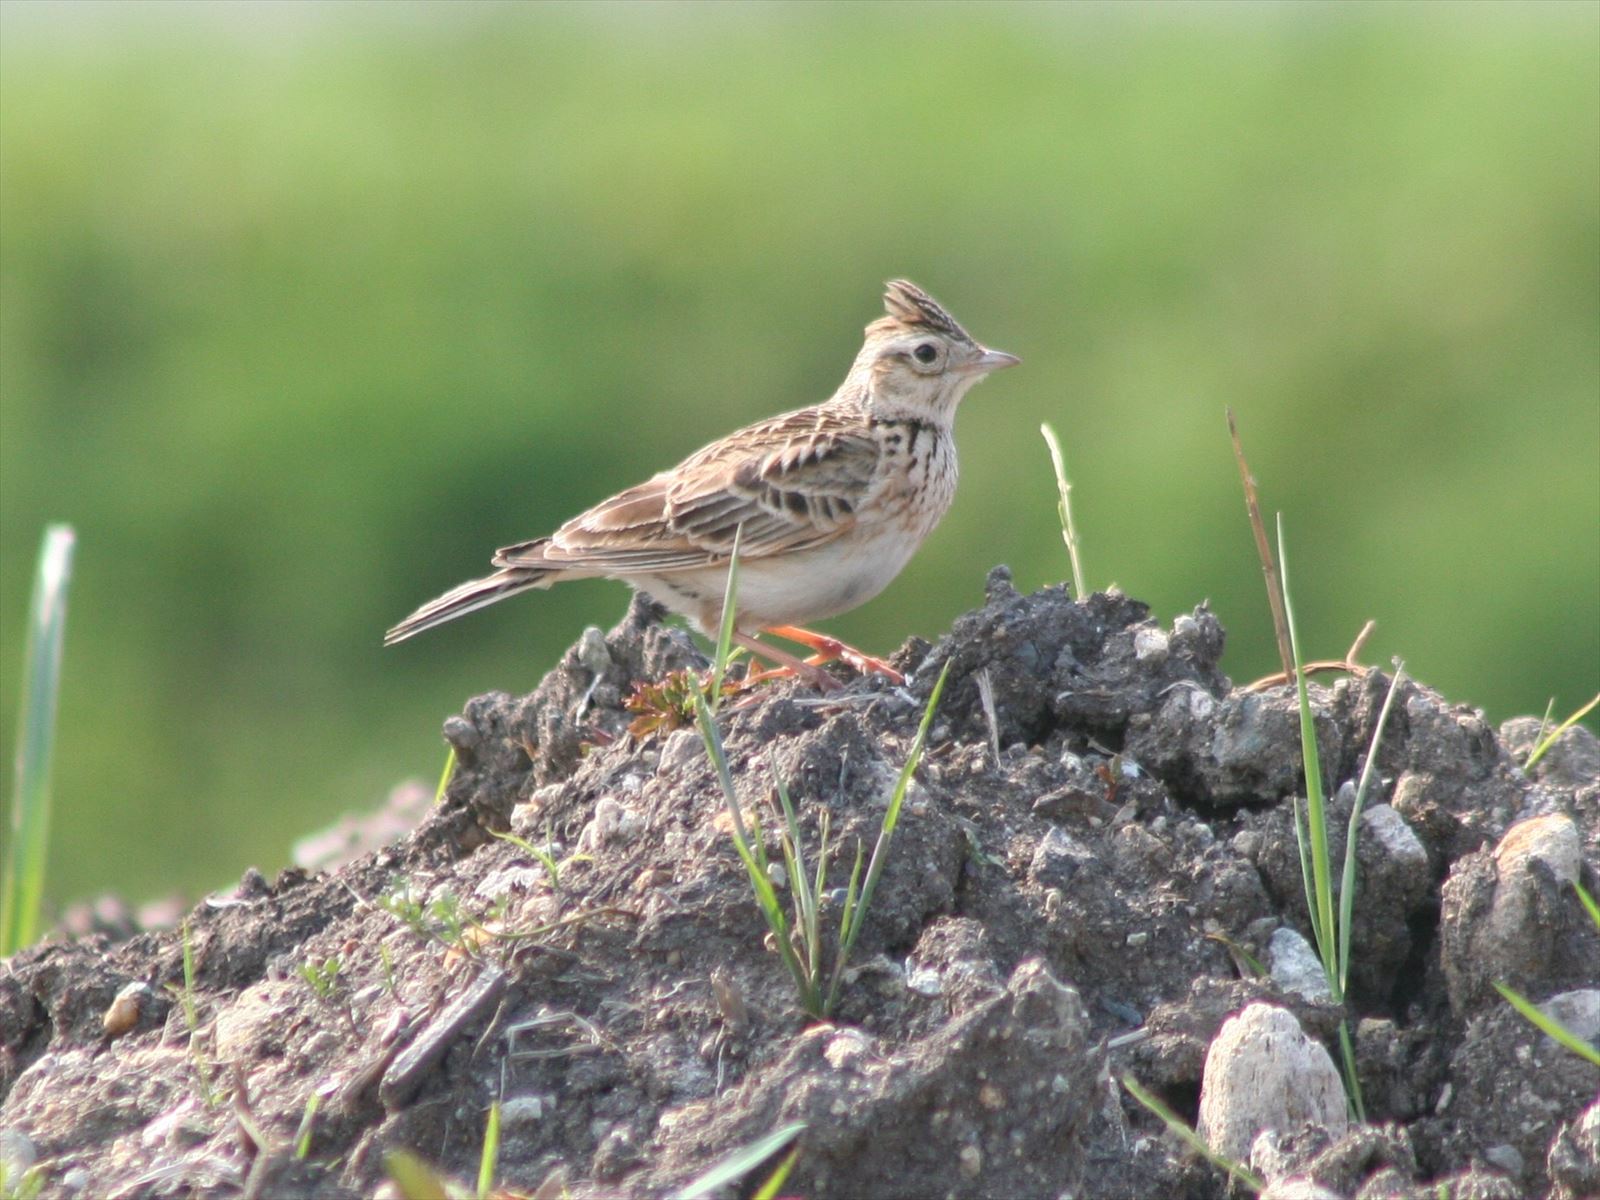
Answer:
[(1589, 905), (415, 1179), (444, 776), (1548, 1024), (302, 1135), (1347, 884), (780, 1175), (1320, 884), (1352, 1081), (1190, 1138), (740, 1163), (857, 913), (725, 630), (818, 887), (1554, 735), (755, 861), (1069, 531), (489, 1159), (22, 888), (805, 899), (852, 892)]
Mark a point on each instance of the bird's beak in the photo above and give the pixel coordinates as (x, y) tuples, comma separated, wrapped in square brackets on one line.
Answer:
[(992, 360)]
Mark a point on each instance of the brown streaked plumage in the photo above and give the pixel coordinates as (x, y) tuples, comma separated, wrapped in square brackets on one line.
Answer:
[(833, 500)]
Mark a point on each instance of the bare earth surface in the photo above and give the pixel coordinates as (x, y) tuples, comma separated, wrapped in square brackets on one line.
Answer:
[(1082, 887)]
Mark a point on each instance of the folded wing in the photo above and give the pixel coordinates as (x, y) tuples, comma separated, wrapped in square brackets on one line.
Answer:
[(795, 482)]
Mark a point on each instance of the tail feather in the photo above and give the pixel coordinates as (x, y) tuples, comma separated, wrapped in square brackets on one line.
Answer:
[(472, 595)]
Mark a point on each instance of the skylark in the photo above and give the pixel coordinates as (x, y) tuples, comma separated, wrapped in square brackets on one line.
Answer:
[(833, 500)]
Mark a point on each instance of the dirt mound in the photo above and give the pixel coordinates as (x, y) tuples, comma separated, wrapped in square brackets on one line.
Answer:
[(1096, 853)]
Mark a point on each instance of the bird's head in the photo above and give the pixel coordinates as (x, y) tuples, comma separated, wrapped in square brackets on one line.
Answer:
[(917, 361)]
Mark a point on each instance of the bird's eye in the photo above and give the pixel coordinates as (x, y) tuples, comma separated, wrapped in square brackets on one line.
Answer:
[(926, 353)]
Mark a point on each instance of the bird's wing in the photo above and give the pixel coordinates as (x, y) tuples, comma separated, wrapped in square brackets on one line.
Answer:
[(793, 482)]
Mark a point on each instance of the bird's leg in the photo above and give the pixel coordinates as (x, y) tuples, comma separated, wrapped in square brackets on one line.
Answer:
[(788, 664), (828, 649)]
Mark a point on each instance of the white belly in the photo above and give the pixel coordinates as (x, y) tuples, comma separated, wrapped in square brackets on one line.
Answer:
[(794, 589)]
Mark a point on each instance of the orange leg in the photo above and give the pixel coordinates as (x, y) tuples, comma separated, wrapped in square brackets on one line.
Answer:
[(811, 670), (828, 649)]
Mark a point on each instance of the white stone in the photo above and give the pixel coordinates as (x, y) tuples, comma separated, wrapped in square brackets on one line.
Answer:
[(1149, 644), (1262, 1072)]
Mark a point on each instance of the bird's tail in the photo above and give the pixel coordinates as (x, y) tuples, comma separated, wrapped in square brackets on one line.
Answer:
[(474, 594)]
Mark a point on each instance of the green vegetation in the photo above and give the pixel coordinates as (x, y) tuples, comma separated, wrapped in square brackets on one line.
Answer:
[(305, 309), (1542, 1020), (733, 1168), (321, 977), (801, 944), (1187, 1135), (204, 1076), (1069, 531), (1332, 937), (28, 820), (1542, 745)]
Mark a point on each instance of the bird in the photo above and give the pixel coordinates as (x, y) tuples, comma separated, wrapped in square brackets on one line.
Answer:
[(827, 503)]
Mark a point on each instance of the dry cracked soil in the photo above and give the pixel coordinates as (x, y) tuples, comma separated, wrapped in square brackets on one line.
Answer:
[(1094, 870)]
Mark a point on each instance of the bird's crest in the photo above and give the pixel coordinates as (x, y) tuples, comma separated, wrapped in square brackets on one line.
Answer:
[(909, 305)]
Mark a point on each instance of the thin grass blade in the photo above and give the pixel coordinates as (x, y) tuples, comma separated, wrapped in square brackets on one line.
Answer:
[(805, 899), (1321, 883), (755, 861), (740, 1163), (489, 1159), (880, 851), (780, 1175), (1589, 905), (1352, 1081), (725, 630), (1347, 883), (444, 776), (1554, 735), (22, 888), (1549, 1025), (1069, 531), (1189, 1137)]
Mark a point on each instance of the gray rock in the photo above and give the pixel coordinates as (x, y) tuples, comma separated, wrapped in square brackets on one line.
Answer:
[(1505, 913), (1295, 966)]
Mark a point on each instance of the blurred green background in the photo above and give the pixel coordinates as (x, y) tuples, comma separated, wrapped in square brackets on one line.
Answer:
[(306, 308)]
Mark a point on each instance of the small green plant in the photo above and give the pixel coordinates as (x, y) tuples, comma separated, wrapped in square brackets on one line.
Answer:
[(819, 989), (1190, 1137), (668, 703), (22, 885), (1332, 937), (416, 1180), (191, 1020), (1069, 531), (28, 1185), (321, 977), (1542, 1020), (444, 776), (443, 920), (543, 854), (735, 1166), (302, 1135), (386, 960), (489, 1156), (1542, 745)]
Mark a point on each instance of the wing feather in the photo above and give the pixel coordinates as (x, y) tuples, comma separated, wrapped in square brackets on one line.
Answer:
[(794, 482)]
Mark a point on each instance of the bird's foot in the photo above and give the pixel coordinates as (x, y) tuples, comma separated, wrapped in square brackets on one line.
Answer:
[(830, 649)]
